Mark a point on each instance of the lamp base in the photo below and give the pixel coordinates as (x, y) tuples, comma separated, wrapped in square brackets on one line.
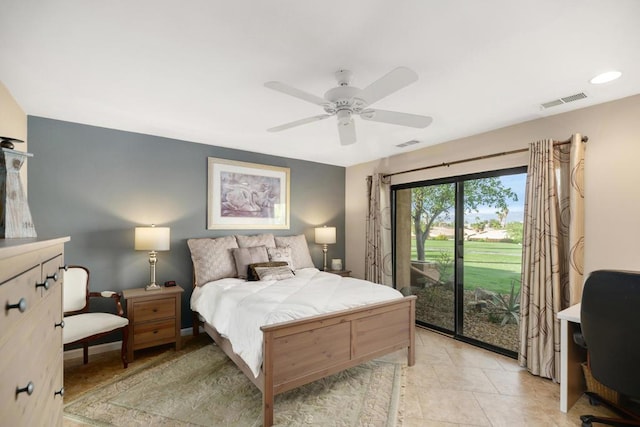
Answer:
[(153, 287)]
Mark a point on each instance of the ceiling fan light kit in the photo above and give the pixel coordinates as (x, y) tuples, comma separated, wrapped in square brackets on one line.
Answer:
[(345, 101)]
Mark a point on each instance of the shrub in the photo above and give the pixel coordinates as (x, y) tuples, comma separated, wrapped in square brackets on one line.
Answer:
[(505, 310)]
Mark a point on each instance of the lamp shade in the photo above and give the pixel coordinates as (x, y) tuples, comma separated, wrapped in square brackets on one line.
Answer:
[(325, 235), (152, 238)]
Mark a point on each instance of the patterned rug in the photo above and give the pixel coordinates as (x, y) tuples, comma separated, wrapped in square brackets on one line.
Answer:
[(204, 388)]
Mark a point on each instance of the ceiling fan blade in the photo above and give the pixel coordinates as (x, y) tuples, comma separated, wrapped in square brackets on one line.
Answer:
[(347, 132), (396, 118), (281, 87), (299, 122), (392, 81)]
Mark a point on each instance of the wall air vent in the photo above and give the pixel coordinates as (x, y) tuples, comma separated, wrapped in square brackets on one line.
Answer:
[(561, 101), (408, 143)]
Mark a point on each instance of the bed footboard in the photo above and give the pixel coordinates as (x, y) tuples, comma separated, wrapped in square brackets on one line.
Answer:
[(299, 352)]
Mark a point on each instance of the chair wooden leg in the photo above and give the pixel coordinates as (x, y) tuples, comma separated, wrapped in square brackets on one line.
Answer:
[(125, 343), (85, 352)]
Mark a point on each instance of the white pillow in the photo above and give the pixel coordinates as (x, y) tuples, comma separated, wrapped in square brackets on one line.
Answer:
[(256, 240), (299, 250), (212, 258), (281, 254)]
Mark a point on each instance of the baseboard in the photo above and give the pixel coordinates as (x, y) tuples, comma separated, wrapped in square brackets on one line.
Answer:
[(76, 353)]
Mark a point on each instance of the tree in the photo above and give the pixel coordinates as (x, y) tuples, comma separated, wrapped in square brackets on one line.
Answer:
[(502, 216), (515, 231), (434, 201)]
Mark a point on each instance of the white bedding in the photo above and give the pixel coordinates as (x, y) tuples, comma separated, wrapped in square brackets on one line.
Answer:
[(237, 308)]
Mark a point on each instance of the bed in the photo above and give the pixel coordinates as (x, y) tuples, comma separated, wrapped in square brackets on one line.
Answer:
[(292, 351)]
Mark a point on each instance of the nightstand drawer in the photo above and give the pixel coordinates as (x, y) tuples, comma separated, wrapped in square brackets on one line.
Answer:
[(156, 309), (154, 331)]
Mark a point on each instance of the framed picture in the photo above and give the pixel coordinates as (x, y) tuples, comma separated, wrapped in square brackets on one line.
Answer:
[(244, 195)]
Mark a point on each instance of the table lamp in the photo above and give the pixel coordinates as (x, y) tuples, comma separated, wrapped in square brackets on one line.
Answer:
[(325, 236), (152, 239)]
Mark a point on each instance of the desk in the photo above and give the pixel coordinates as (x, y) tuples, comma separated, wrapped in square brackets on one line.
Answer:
[(572, 383)]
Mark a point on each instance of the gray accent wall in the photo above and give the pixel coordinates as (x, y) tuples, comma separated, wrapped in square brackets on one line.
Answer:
[(96, 185)]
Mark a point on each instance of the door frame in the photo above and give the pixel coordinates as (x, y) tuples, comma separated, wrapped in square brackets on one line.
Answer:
[(458, 180)]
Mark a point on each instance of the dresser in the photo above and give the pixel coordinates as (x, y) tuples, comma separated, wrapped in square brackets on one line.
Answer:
[(31, 364), (154, 317)]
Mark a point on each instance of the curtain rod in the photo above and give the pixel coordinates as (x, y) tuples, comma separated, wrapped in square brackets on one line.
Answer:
[(472, 159)]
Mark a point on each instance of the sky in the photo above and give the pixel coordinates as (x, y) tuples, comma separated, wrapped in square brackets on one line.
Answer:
[(517, 184)]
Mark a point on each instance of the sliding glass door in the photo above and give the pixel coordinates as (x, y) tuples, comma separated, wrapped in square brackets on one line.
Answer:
[(458, 247)]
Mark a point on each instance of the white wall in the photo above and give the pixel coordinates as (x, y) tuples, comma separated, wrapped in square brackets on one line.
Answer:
[(13, 123), (612, 177)]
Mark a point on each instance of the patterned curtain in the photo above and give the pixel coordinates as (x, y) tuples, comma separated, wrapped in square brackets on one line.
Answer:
[(552, 259), (378, 263)]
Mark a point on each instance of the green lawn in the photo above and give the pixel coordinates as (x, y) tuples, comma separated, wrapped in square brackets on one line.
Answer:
[(489, 265)]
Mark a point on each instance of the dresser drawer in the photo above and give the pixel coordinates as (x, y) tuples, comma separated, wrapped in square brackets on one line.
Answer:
[(37, 360), (160, 330), (51, 270), (153, 310), (19, 290)]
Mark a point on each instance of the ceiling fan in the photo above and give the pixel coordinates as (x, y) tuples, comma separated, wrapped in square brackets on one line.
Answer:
[(344, 101)]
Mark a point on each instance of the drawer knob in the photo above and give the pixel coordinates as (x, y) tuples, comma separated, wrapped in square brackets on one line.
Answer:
[(28, 389), (44, 285), (20, 305), (59, 392), (64, 267), (61, 324), (53, 276)]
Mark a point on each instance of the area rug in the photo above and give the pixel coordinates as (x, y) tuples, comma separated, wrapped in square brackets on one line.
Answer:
[(204, 388)]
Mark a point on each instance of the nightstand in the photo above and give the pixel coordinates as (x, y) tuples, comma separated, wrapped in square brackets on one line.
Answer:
[(343, 273), (154, 317)]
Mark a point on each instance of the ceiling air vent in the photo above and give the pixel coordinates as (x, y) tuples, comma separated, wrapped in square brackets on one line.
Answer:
[(564, 100), (408, 143)]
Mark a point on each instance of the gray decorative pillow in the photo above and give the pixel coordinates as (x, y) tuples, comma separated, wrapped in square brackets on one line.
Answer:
[(252, 276), (274, 273), (212, 258), (256, 240), (245, 256), (299, 250), (281, 254)]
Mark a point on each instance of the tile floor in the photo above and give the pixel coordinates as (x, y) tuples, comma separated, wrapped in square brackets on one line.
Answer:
[(456, 384), (451, 384)]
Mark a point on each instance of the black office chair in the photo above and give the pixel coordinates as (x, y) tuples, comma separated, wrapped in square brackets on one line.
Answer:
[(610, 319)]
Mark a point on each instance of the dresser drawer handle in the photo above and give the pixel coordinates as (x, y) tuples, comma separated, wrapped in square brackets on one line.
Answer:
[(53, 276), (61, 324), (29, 389), (20, 305), (44, 285), (64, 267), (59, 392)]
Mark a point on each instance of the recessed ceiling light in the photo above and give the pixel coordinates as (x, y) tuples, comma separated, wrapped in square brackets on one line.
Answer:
[(605, 77)]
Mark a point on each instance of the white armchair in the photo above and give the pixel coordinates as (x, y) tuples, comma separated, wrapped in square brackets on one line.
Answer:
[(82, 326)]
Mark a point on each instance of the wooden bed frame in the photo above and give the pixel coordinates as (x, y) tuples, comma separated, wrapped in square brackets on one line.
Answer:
[(301, 351)]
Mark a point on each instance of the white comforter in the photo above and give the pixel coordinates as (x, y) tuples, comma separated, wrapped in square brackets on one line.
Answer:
[(237, 308)]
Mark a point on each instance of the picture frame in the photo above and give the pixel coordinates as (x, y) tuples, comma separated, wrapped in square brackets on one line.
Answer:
[(242, 195)]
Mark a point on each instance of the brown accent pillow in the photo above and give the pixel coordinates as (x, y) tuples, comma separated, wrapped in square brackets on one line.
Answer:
[(252, 276)]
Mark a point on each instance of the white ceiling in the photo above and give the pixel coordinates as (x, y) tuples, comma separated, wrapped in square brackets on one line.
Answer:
[(194, 70)]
